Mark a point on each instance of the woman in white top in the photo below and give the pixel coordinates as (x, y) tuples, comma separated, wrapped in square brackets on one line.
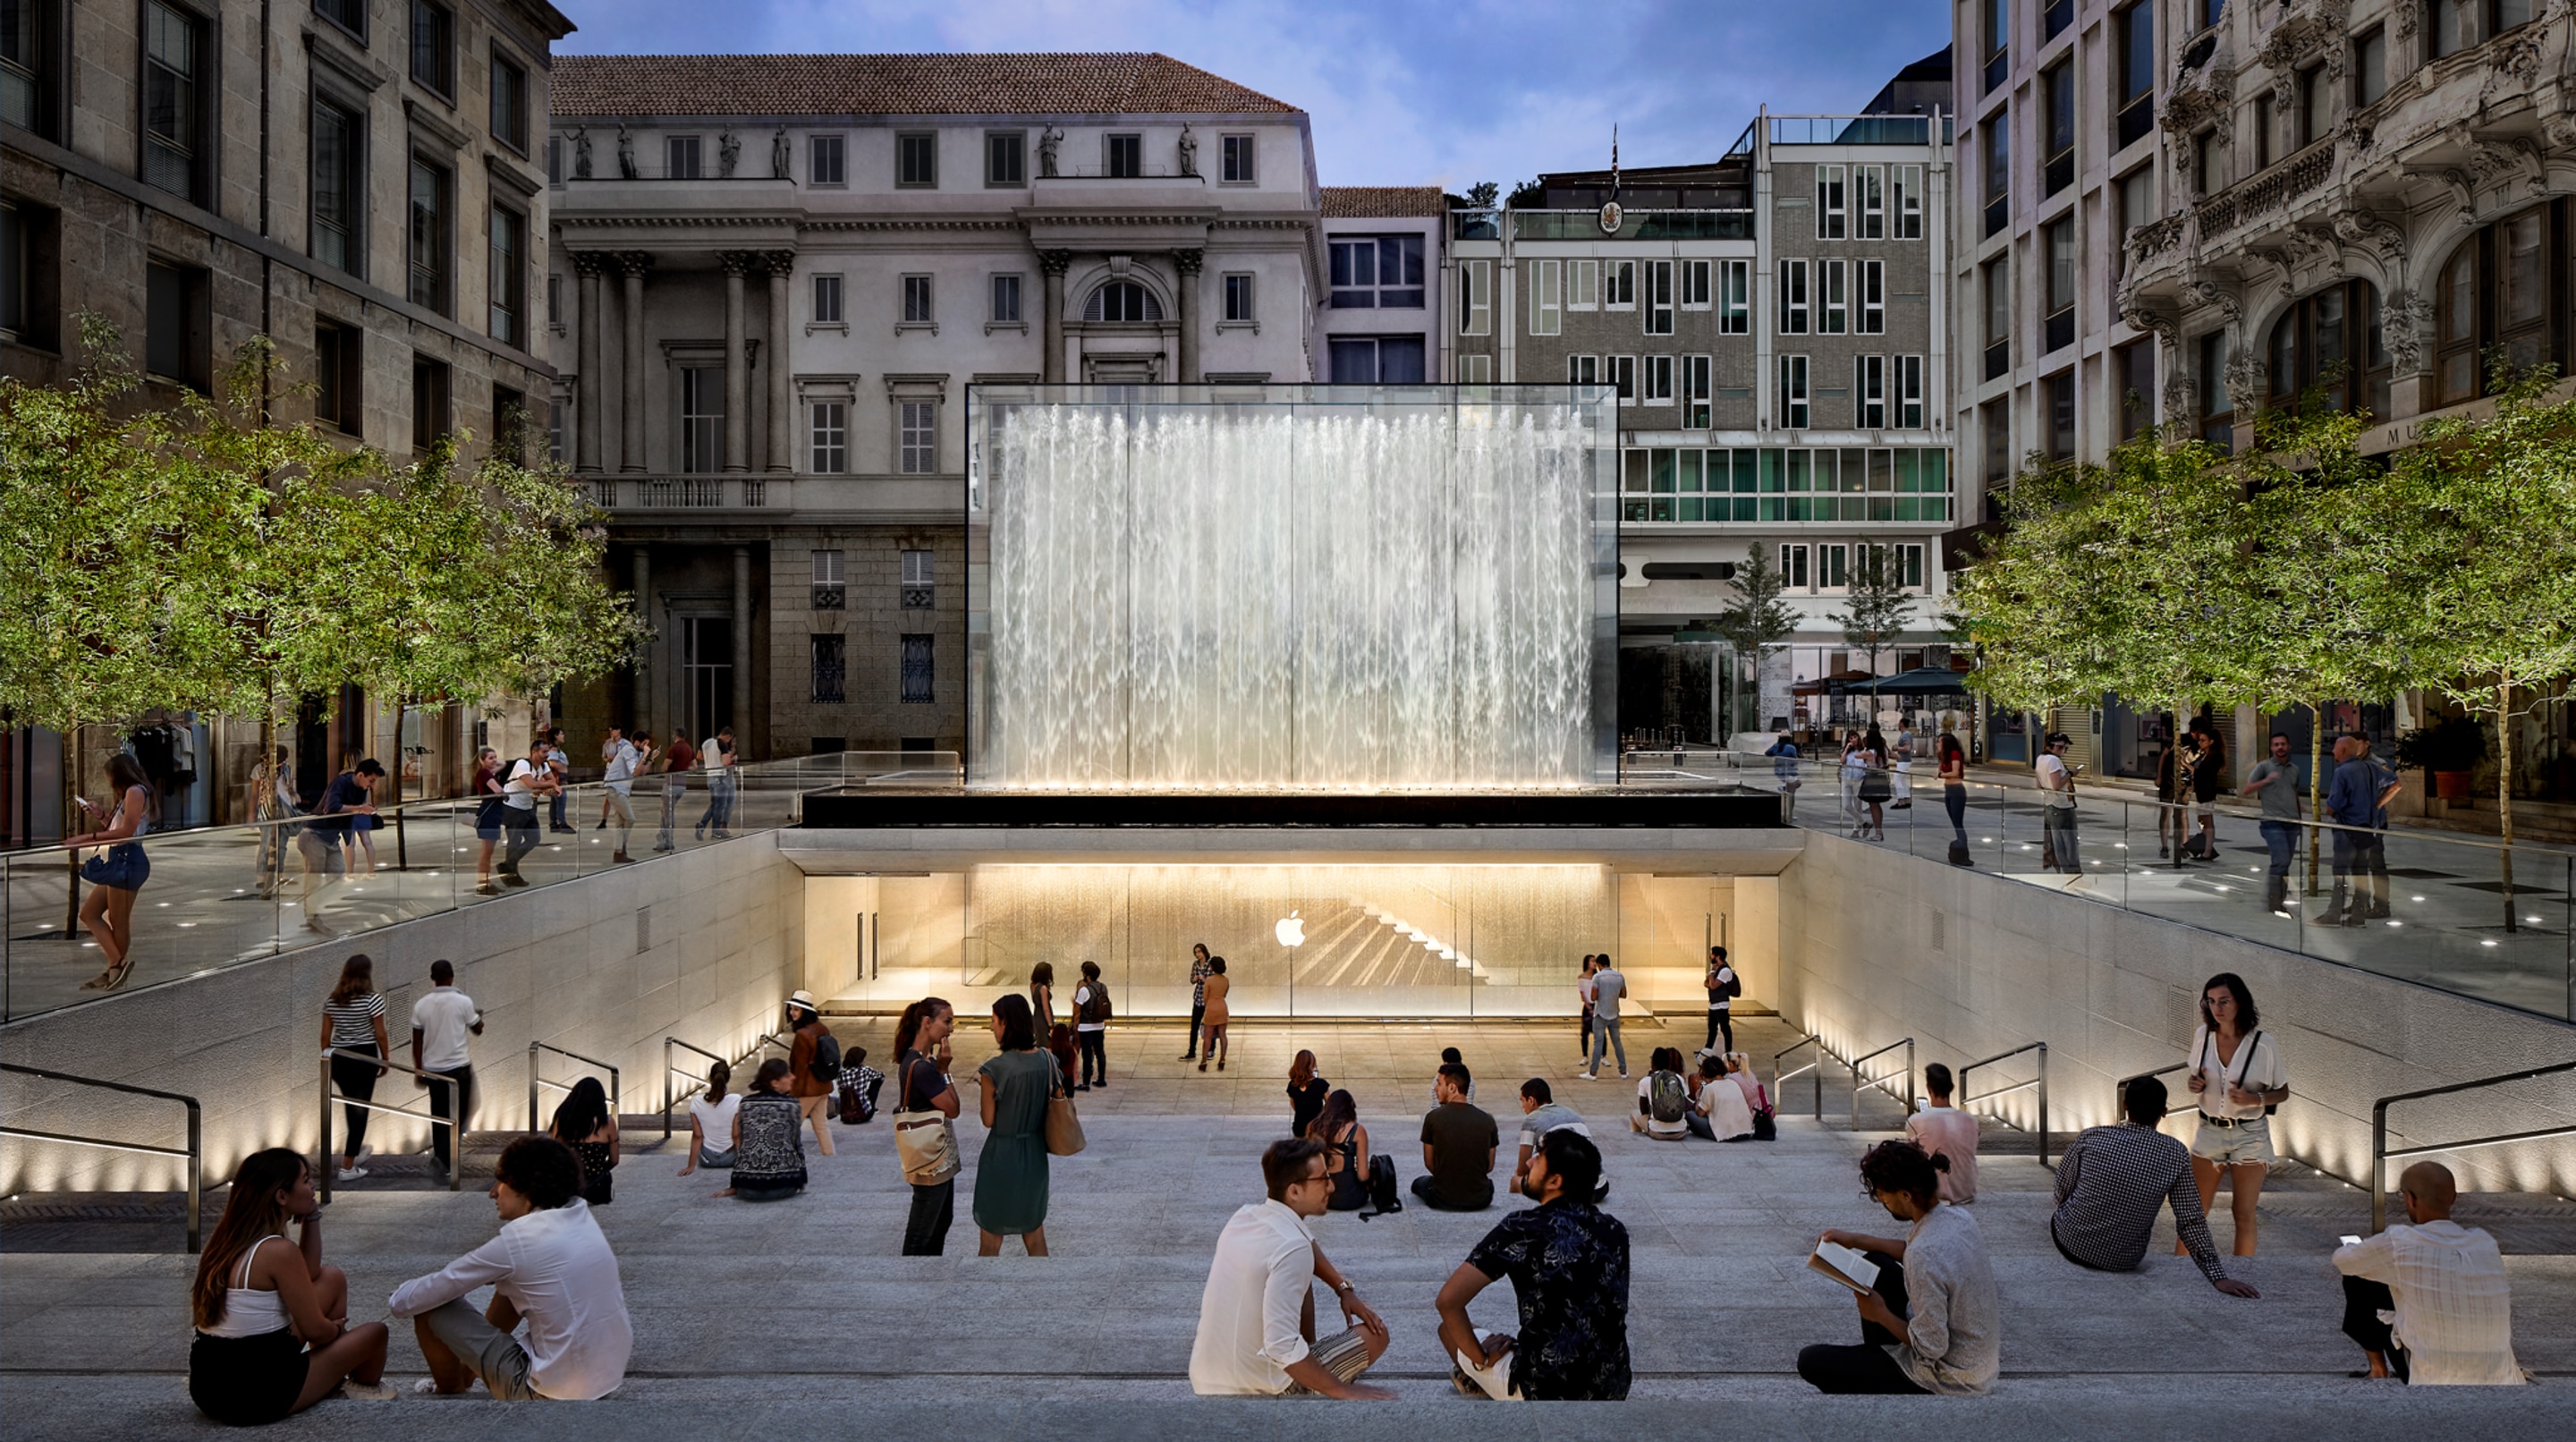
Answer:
[(1720, 1113), (2236, 1072), (257, 1307), (711, 1124)]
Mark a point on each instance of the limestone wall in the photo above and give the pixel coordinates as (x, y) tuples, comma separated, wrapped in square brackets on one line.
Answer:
[(1878, 945), (702, 946)]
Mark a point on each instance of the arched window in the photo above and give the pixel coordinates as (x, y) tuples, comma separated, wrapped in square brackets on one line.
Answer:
[(2494, 293), (1122, 300), (2331, 340)]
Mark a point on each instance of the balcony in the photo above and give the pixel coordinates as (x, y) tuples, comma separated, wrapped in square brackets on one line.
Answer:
[(1633, 225)]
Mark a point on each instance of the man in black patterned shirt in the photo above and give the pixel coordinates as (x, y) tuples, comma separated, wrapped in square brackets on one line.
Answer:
[(2112, 1181), (1568, 1261)]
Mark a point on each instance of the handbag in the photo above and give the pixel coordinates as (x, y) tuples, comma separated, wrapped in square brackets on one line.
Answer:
[(1064, 1136), (926, 1146), (113, 867)]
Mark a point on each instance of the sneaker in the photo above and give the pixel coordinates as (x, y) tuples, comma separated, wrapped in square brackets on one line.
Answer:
[(314, 924), (1082, 1086), (428, 1387), (364, 1151), (515, 879), (621, 857), (1189, 1056), (1623, 1073), (351, 1174), (1587, 1076), (487, 889), (359, 1391)]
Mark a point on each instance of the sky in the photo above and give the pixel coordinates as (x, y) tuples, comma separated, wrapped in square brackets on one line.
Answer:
[(1400, 93)]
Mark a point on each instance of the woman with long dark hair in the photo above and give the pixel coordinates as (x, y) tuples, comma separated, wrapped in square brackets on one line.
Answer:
[(1306, 1093), (1011, 1175), (1952, 759), (768, 1141), (354, 1020), (2236, 1073), (711, 1123), (923, 1098), (585, 1124), (116, 877), (1346, 1154), (1042, 998), (1212, 1033), (1875, 785), (486, 792), (257, 1308)]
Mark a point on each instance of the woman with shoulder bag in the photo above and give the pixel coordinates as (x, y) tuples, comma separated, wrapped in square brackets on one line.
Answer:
[(1011, 1173), (118, 876), (925, 1131), (1875, 785), (2237, 1076), (487, 817)]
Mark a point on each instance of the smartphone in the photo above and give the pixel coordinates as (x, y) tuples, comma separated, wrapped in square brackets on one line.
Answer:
[(2351, 1241), (85, 803)]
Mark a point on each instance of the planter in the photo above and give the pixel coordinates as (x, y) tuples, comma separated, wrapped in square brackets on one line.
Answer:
[(2451, 785)]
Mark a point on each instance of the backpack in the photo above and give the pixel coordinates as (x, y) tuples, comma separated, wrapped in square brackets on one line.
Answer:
[(858, 1093), (1666, 1098), (826, 1065), (1382, 1192), (1097, 1009), (1733, 986)]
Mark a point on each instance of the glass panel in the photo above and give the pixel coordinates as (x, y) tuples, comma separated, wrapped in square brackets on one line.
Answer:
[(1907, 470), (1689, 466), (1800, 463), (1744, 469), (1663, 470), (1855, 469), (1882, 471), (2522, 296), (1772, 469)]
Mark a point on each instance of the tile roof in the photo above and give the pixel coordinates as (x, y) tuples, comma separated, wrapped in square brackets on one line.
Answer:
[(1383, 202), (1121, 83)]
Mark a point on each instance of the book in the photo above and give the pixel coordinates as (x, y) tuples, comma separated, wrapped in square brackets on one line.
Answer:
[(1843, 1265), (1494, 1379)]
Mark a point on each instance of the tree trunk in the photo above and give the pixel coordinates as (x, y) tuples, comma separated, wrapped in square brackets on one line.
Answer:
[(2182, 784), (2316, 786), (72, 817), (2504, 799)]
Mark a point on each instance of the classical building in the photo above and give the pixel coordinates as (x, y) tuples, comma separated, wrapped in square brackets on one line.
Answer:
[(776, 281), (358, 180), (1381, 317), (1772, 328)]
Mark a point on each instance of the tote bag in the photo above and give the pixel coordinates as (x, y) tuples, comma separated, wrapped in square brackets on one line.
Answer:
[(1063, 1127)]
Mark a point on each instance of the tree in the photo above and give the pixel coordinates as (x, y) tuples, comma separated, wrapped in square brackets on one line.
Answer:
[(1757, 621), (1482, 194), (1877, 606)]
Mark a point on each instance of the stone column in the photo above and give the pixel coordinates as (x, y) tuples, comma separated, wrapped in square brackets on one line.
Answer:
[(630, 449), (737, 428), (588, 264), (741, 638), (781, 459), (1054, 263), (1188, 263), (641, 715)]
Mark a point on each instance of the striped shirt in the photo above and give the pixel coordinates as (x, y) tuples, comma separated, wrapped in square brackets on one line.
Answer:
[(2110, 1184), (353, 1022)]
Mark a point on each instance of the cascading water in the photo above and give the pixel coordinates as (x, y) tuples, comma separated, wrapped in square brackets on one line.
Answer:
[(1300, 595)]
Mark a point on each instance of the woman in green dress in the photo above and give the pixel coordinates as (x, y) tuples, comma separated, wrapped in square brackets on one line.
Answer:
[(1011, 1175)]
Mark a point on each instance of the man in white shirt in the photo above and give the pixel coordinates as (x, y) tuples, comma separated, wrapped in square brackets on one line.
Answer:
[(2058, 851), (560, 765), (1608, 988), (550, 1268), (2429, 1303), (530, 777), (716, 759), (441, 1021), (616, 801), (1257, 1317)]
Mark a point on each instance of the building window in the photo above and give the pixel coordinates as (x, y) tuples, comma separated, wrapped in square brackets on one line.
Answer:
[(1475, 370), (830, 668), (1998, 41), (2369, 67), (510, 425), (509, 103), (1869, 392), (1832, 221), (919, 590), (1909, 392), (337, 371), (1006, 299), (1583, 370), (1694, 278), (1659, 297), (1619, 285), (827, 161), (682, 157), (2208, 163), (1999, 313), (1873, 297), (2312, 106), (1832, 291), (1583, 285), (1235, 160), (1622, 377), (1793, 567), (1123, 156), (1998, 169), (2133, 367), (2136, 196), (349, 15), (827, 300), (916, 301), (831, 456), (557, 411), (554, 160), (1382, 272), (509, 279), (2133, 83), (1123, 301), (432, 415), (2210, 12), (1735, 297), (339, 187), (1238, 297), (1377, 360), (1697, 389), (1547, 302), (2331, 341), (2058, 154), (1006, 158), (916, 676), (917, 438), (831, 583), (1833, 562), (1793, 392), (702, 419), (2453, 28), (1793, 297), (2059, 240), (2267, 118), (1659, 380), (1905, 182), (431, 186), (2217, 413), (916, 159), (175, 59), (1994, 423), (1475, 297), (1869, 201), (2058, 394), (433, 46)]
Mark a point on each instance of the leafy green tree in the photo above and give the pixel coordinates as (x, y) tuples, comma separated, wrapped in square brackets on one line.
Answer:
[(1877, 606), (1757, 621)]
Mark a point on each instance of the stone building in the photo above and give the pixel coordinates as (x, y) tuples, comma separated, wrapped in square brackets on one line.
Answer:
[(1771, 324), (776, 281), (359, 180)]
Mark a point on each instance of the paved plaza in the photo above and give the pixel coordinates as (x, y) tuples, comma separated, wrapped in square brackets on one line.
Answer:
[(800, 1318)]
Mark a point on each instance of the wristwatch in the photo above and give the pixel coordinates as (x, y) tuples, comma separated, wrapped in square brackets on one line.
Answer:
[(1347, 1287)]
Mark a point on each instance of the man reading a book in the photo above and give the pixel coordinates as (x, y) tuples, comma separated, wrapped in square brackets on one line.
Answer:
[(1930, 1293)]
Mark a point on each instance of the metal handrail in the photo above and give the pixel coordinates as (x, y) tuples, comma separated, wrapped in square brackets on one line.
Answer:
[(2040, 1081), (670, 1096), (195, 1151), (324, 1171), (2380, 1154), (1862, 1083), (1780, 1079), (535, 1081), (2120, 1093)]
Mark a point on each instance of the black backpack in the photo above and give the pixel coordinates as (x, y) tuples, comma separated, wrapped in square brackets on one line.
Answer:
[(1383, 1194), (826, 1065)]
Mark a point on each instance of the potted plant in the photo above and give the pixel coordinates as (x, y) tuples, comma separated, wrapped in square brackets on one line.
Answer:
[(2448, 750)]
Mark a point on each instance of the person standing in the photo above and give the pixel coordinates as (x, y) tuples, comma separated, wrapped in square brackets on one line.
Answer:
[(2058, 848), (489, 811), (1934, 1298), (1568, 1261), (617, 797), (2374, 843), (1306, 1093), (715, 757), (325, 843), (1784, 774), (1217, 1014), (1042, 998), (1875, 784), (607, 757), (1952, 759), (353, 1020), (1947, 1135), (2429, 1301), (442, 1022), (1855, 766), (1903, 756), (677, 762), (2236, 1072), (1609, 988), (257, 1308), (1459, 1140), (1583, 994), (2208, 772), (1256, 1333), (2173, 804), (814, 1068), (1723, 987), (1011, 1173), (559, 765), (2357, 802), (585, 1124), (922, 1059), (1091, 1012), (117, 877), (2274, 782), (529, 778), (1198, 997), (272, 802)]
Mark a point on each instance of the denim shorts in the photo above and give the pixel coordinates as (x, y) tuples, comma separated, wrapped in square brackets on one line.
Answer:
[(2248, 1143)]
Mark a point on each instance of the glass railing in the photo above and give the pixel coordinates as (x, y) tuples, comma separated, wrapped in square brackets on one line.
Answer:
[(1852, 130), (2437, 912), (225, 896)]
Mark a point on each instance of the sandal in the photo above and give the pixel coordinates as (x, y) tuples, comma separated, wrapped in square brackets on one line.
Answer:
[(1203, 1066), (110, 979)]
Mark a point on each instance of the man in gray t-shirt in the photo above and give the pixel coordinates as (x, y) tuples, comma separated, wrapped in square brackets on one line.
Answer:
[(2275, 782), (1608, 987)]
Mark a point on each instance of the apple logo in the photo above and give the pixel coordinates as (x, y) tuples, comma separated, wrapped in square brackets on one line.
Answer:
[(1292, 932)]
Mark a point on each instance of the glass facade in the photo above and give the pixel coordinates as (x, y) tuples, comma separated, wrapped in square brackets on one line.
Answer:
[(1784, 483)]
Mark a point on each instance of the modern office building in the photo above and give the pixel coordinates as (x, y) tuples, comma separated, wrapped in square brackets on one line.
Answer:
[(776, 279), (1381, 313)]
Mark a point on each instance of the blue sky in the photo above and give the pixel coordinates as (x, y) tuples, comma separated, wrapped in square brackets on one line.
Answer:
[(1400, 93)]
